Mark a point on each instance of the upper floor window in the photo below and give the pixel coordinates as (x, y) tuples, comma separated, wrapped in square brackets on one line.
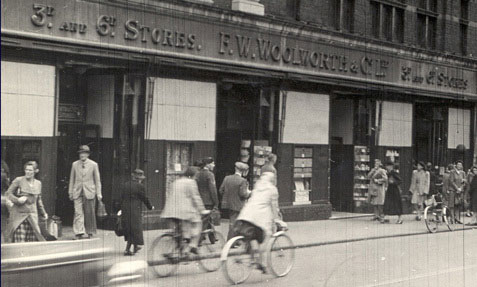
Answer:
[(293, 9), (426, 31), (430, 5), (342, 16), (464, 9), (387, 22), (464, 15)]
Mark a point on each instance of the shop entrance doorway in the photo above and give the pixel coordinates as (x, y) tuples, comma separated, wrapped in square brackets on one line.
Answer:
[(430, 133), (341, 154), (246, 128)]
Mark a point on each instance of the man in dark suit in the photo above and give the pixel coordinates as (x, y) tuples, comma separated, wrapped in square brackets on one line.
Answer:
[(234, 191), (206, 184), (84, 188)]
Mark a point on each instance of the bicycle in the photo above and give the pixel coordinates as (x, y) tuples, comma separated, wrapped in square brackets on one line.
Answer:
[(437, 213), (239, 258), (169, 250)]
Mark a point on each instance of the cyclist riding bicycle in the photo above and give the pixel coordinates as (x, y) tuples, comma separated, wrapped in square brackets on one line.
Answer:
[(259, 217), (184, 207)]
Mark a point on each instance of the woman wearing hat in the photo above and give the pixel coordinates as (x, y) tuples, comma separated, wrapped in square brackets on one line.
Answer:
[(457, 183), (420, 182), (132, 197), (393, 201)]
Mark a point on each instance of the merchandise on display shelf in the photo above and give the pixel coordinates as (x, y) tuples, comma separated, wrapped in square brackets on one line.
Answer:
[(361, 169)]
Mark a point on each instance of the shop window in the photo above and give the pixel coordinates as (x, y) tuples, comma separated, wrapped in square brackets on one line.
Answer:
[(17, 152), (178, 158), (302, 174), (394, 122), (387, 22), (343, 15), (459, 128), (180, 110), (306, 118)]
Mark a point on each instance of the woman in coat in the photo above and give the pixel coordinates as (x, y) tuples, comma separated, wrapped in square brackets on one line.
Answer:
[(473, 195), (257, 218), (457, 181), (377, 189), (25, 194), (393, 201), (420, 183), (132, 197), (184, 205)]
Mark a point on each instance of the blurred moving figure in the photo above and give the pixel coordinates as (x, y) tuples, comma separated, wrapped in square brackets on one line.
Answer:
[(420, 183)]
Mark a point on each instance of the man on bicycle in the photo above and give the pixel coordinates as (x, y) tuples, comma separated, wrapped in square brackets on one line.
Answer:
[(184, 207), (259, 216)]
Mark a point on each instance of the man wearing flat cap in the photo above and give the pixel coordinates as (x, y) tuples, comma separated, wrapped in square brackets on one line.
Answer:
[(234, 191), (84, 188)]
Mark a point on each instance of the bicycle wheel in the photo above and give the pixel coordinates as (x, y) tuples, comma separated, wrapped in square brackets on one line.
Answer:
[(447, 218), (281, 255), (431, 219), (237, 260), (210, 247), (164, 255)]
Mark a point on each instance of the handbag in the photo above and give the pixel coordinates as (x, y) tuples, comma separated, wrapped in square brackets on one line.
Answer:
[(118, 227), (101, 210), (215, 216)]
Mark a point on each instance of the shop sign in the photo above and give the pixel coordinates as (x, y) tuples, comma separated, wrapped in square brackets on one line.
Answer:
[(151, 30)]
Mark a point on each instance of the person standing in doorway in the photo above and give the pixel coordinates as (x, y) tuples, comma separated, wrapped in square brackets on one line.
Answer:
[(84, 189), (133, 195), (420, 182), (377, 189), (6, 203), (393, 201), (457, 183), (467, 197), (447, 196), (234, 191)]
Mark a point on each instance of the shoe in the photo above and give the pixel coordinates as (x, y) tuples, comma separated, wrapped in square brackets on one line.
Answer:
[(468, 214), (384, 221), (194, 250), (374, 218), (261, 268), (90, 236), (78, 237), (137, 248), (399, 222), (128, 253), (418, 218), (458, 221)]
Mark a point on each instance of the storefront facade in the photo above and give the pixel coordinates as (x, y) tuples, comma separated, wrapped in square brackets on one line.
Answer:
[(160, 85)]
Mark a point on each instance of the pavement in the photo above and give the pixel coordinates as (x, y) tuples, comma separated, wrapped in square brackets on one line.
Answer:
[(352, 251), (305, 233)]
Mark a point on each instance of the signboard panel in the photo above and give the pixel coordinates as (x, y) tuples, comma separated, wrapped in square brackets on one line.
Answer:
[(152, 30)]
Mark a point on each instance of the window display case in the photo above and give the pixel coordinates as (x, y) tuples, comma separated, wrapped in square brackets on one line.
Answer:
[(361, 181), (302, 174)]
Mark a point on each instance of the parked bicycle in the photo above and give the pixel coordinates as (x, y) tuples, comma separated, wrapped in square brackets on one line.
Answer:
[(170, 249), (239, 257), (437, 213)]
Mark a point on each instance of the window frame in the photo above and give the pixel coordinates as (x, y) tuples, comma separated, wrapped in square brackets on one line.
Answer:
[(340, 21), (379, 21)]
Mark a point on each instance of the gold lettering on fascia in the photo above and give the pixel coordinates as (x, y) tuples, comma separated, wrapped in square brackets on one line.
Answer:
[(433, 78), (264, 50)]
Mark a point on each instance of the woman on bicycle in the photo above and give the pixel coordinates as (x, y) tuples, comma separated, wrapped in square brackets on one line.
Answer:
[(184, 207), (257, 219)]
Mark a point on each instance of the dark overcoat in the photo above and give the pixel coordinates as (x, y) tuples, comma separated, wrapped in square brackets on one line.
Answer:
[(132, 197)]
